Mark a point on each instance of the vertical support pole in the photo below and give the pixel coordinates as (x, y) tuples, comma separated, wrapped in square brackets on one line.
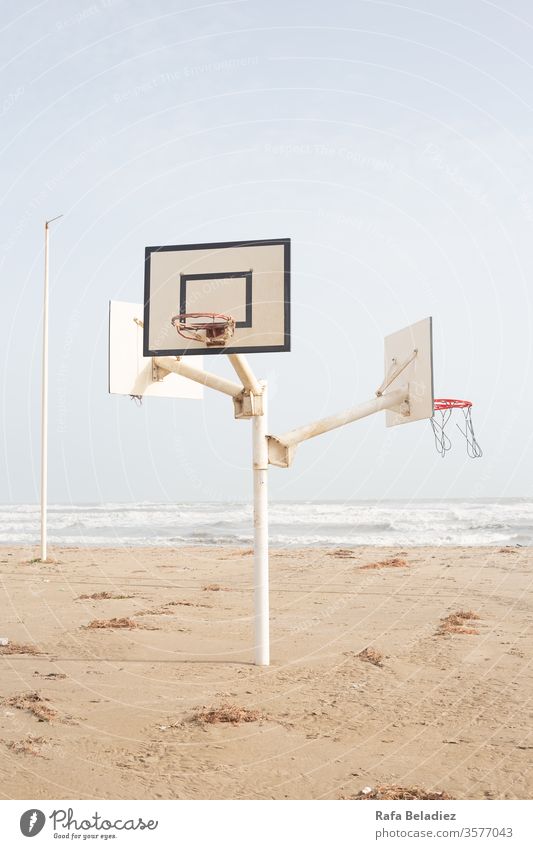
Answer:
[(44, 404), (260, 472), (44, 398)]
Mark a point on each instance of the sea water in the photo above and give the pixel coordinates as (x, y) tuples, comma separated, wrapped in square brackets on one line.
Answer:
[(333, 523)]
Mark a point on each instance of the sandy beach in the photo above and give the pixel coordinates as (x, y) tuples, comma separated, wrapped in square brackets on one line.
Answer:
[(389, 667)]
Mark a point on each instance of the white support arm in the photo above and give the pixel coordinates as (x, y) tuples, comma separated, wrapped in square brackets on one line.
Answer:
[(179, 366), (245, 373), (281, 448)]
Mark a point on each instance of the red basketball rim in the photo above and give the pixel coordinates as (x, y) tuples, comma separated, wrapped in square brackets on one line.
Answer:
[(450, 404)]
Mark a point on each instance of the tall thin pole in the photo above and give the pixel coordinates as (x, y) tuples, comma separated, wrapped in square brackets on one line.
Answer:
[(261, 600), (44, 397)]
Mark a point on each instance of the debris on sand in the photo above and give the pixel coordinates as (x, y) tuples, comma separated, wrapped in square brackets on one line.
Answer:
[(170, 725), (34, 704), (186, 604), (455, 623), (111, 623), (124, 624), (389, 563), (102, 595), (19, 648), (50, 676), (370, 655), (395, 792), (345, 553), (233, 714), (215, 588), (29, 745), (153, 612), (166, 609)]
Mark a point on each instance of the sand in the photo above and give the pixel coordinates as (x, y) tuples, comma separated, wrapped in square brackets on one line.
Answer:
[(370, 683)]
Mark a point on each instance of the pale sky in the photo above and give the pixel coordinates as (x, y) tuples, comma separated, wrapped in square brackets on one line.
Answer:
[(391, 142)]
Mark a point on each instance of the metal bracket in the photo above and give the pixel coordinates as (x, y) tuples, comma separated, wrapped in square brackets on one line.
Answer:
[(279, 454), (404, 408), (247, 405), (158, 372)]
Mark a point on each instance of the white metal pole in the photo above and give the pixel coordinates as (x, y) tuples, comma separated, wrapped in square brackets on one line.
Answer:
[(44, 403), (260, 473), (44, 398)]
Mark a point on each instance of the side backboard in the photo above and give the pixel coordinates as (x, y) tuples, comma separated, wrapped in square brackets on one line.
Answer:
[(249, 281), (417, 374), (130, 373)]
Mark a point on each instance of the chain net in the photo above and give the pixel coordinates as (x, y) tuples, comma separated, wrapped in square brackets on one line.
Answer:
[(444, 407)]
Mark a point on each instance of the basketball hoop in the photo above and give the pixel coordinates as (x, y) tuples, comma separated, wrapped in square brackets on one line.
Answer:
[(212, 328), (443, 443)]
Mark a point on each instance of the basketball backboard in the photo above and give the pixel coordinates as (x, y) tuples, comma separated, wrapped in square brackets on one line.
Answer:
[(400, 348), (130, 373), (247, 281)]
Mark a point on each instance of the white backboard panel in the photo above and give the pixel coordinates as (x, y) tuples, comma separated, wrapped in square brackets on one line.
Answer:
[(130, 373), (418, 374), (250, 281)]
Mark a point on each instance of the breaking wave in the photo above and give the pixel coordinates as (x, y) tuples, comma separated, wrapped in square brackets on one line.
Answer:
[(481, 522)]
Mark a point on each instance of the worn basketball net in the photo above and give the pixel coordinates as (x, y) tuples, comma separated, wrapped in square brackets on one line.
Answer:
[(444, 408), (212, 328)]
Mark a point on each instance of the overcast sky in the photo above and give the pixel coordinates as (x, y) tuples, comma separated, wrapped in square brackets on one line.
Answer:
[(392, 143)]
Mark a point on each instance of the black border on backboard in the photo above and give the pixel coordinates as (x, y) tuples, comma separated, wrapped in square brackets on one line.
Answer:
[(178, 352), (221, 275), (431, 354)]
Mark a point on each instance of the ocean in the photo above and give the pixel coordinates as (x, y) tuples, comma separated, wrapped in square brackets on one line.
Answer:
[(387, 523)]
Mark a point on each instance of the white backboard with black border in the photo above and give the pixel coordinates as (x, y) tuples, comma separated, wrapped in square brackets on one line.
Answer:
[(249, 281)]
